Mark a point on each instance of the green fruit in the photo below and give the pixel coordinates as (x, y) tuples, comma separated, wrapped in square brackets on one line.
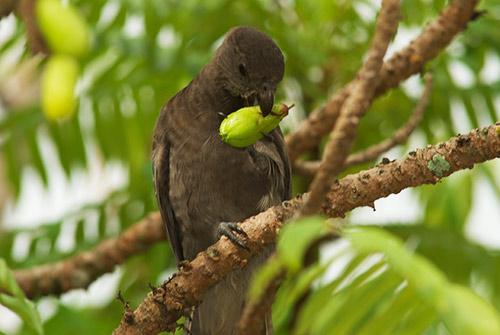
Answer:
[(247, 125), (278, 112), (63, 27), (58, 85)]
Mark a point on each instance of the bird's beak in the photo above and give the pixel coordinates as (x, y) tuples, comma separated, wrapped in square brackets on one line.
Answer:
[(265, 96)]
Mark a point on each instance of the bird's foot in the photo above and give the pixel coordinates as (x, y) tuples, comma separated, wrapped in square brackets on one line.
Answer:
[(229, 229)]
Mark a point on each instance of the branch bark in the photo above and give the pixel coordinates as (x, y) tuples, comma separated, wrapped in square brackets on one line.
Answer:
[(435, 36), (174, 298), (360, 97), (26, 10), (85, 267)]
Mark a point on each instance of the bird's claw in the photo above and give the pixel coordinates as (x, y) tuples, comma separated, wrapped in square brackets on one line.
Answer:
[(229, 229)]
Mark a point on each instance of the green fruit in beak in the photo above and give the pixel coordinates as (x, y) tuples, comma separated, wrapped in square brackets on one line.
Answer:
[(247, 125)]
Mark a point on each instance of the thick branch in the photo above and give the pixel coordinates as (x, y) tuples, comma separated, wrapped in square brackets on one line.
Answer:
[(85, 267), (435, 36), (400, 136), (174, 298), (357, 190), (361, 94), (423, 166)]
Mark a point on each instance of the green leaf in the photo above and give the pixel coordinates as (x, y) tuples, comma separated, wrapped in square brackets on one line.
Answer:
[(13, 163), (448, 204), (296, 237), (363, 302), (390, 315), (471, 261), (265, 275), (36, 157), (8, 282), (325, 298), (17, 302), (294, 289), (469, 314), (419, 318), (420, 273), (458, 306)]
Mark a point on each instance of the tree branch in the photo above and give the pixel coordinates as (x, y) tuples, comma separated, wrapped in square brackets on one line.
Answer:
[(357, 190), (435, 36), (26, 10), (360, 96), (423, 166), (81, 270), (371, 153), (167, 303), (7, 7)]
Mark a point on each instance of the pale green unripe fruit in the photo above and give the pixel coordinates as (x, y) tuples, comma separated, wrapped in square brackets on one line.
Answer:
[(63, 27), (58, 85), (247, 125)]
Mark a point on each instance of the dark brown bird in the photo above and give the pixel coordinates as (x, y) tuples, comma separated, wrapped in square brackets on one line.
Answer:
[(203, 185)]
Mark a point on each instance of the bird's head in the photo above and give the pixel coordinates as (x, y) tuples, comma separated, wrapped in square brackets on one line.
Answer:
[(250, 65)]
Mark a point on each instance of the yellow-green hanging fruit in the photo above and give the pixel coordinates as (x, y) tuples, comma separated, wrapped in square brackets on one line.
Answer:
[(58, 85), (247, 125), (63, 27)]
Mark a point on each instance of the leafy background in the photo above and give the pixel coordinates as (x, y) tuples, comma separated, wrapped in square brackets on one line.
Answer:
[(66, 186)]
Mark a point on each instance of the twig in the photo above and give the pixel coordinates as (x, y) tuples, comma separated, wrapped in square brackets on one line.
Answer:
[(128, 313), (81, 270), (435, 36), (256, 310), (159, 312), (119, 297), (371, 153), (26, 10), (343, 134)]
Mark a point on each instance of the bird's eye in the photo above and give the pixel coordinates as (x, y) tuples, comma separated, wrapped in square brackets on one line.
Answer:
[(243, 69)]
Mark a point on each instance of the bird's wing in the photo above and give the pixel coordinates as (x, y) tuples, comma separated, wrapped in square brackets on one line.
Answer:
[(279, 141), (161, 180)]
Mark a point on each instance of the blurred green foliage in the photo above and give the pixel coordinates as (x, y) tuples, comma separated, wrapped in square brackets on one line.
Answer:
[(145, 51), (382, 288)]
